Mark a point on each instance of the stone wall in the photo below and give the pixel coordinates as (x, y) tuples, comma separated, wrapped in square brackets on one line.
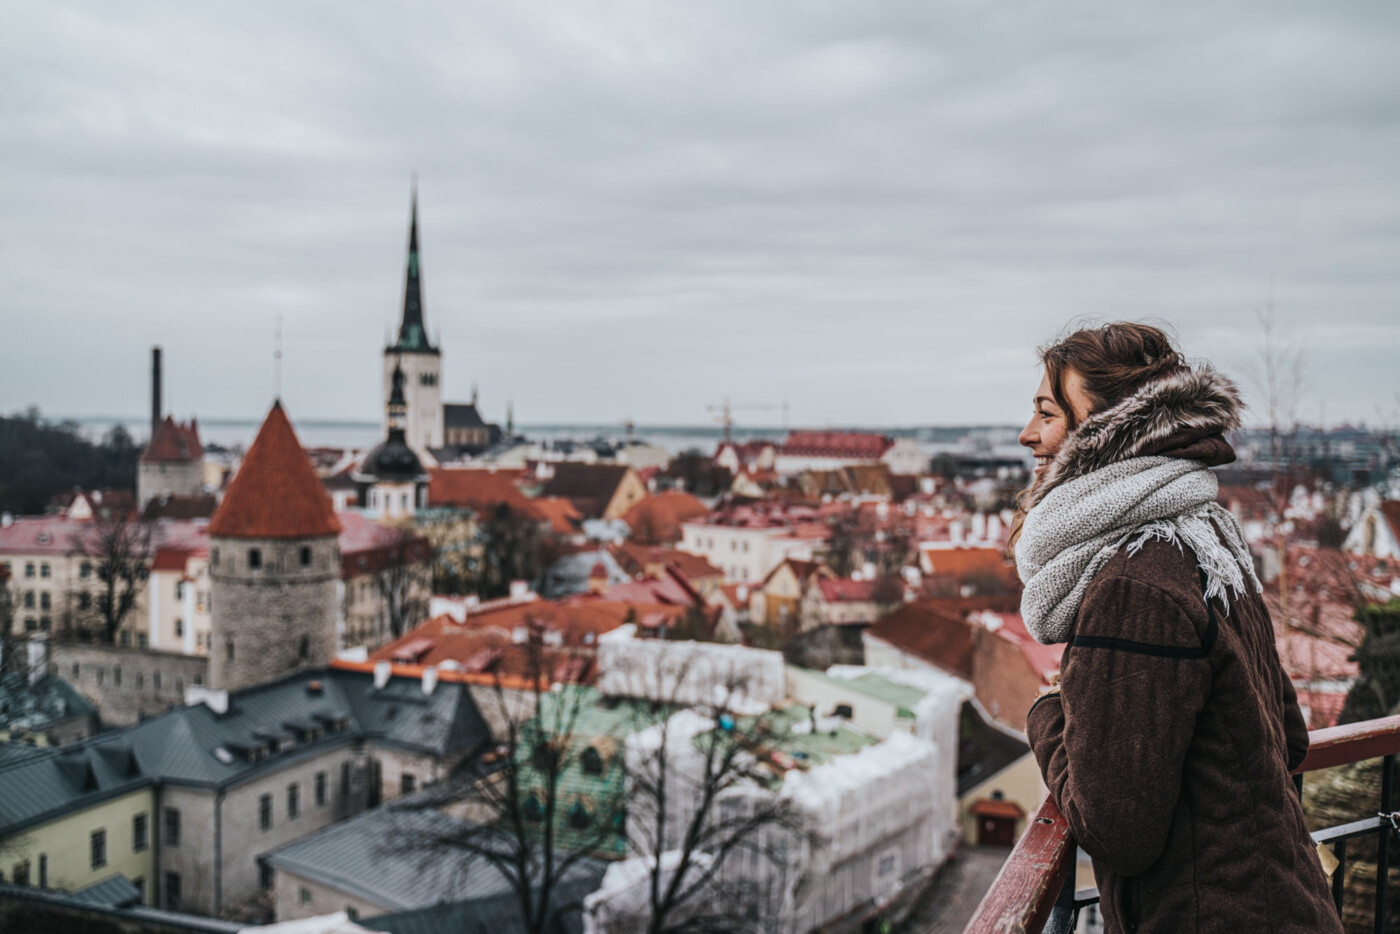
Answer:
[(297, 897), (168, 479), (127, 684), (274, 618)]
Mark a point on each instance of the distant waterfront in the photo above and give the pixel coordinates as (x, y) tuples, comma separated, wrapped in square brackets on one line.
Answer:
[(231, 432)]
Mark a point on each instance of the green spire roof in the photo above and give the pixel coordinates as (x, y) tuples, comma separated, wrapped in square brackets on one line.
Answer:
[(413, 334)]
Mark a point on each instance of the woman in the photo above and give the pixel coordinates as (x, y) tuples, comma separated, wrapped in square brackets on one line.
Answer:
[(1169, 741)]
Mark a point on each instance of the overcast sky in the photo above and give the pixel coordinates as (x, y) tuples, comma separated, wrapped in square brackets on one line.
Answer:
[(872, 211)]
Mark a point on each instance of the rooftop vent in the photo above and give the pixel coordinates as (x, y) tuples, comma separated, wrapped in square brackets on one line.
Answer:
[(314, 687)]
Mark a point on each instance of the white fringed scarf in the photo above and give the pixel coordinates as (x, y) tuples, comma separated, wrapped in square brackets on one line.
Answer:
[(1081, 523)]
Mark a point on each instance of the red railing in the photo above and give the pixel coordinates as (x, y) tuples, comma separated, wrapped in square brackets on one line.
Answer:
[(1038, 875)]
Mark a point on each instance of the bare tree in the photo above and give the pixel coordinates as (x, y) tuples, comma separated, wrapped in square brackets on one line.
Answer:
[(703, 803), (118, 550), (404, 579), (518, 816)]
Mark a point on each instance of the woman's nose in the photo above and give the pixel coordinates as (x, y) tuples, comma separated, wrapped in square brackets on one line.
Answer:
[(1029, 437)]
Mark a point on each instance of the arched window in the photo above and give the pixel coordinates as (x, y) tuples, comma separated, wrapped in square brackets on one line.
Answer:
[(592, 761), (579, 818), (532, 809)]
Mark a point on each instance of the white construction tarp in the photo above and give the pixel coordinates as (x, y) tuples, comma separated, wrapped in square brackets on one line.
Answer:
[(703, 674)]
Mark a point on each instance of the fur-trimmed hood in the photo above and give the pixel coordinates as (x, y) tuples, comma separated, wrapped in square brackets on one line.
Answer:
[(1186, 414)]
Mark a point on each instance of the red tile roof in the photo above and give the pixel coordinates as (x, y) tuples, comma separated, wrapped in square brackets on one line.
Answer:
[(635, 559), (657, 519), (174, 442), (1391, 510), (563, 517), (172, 559), (484, 491), (848, 445), (276, 493), (845, 590), (928, 634)]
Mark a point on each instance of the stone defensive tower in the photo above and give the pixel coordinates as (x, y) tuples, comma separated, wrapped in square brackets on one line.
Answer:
[(274, 562)]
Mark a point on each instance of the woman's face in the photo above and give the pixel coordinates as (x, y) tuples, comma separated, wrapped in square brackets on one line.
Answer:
[(1049, 425)]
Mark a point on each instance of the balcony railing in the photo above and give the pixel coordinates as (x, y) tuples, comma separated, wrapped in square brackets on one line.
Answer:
[(1035, 890)]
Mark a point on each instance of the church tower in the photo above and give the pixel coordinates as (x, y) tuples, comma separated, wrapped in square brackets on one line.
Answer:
[(420, 361), (274, 562)]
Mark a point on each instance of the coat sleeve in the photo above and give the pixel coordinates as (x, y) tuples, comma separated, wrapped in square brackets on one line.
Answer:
[(1111, 745), (1295, 728)]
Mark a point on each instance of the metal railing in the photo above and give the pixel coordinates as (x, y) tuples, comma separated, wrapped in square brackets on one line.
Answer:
[(1035, 890)]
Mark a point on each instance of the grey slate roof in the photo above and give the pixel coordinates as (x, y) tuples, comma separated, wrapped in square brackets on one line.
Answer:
[(195, 745), (496, 914), (112, 892), (461, 415), (384, 856)]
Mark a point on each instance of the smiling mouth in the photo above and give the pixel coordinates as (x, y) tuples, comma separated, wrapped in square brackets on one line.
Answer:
[(1042, 461)]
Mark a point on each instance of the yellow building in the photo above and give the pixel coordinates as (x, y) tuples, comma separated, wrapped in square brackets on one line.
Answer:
[(76, 817)]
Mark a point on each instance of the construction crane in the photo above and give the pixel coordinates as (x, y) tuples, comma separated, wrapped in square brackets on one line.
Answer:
[(727, 410)]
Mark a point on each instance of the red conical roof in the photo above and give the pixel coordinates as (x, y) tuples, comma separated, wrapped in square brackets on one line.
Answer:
[(276, 493)]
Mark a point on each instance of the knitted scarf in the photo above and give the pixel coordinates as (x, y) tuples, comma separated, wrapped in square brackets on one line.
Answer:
[(1070, 535), (1104, 492)]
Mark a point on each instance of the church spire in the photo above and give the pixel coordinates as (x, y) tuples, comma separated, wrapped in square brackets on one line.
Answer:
[(413, 335)]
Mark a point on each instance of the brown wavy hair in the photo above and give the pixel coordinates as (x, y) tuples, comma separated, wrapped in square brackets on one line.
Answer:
[(1113, 361)]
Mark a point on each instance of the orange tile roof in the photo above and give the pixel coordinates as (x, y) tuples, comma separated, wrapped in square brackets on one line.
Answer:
[(481, 490), (276, 493), (560, 512), (923, 631), (657, 519), (174, 442)]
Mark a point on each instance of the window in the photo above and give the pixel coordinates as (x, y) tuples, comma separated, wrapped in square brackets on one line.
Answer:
[(592, 761), (172, 891), (140, 837), (98, 849), (844, 710), (179, 590), (29, 599), (179, 628), (20, 875), (45, 601), (139, 883), (214, 557), (85, 570), (29, 569), (43, 870), (407, 783), (306, 556), (254, 558), (265, 877), (304, 895), (534, 811), (352, 912), (30, 624), (579, 818), (320, 789), (44, 569), (126, 641), (84, 601), (172, 826), (117, 669), (76, 669), (293, 799), (228, 649), (265, 812), (886, 865), (304, 650), (45, 623)]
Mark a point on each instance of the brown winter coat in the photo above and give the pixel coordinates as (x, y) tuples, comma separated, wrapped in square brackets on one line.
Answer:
[(1170, 743)]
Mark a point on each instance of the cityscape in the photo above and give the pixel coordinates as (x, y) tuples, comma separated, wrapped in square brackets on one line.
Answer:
[(661, 568)]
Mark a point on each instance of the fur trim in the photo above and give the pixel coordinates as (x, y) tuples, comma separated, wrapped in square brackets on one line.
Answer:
[(1200, 398)]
